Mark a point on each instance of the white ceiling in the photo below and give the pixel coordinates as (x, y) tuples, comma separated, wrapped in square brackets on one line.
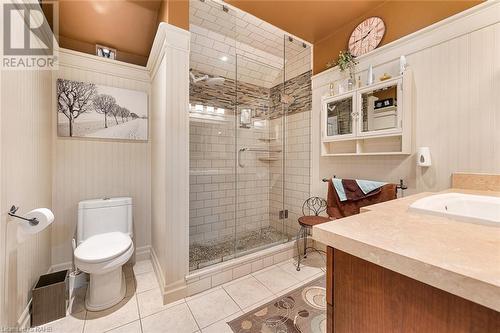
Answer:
[(220, 38)]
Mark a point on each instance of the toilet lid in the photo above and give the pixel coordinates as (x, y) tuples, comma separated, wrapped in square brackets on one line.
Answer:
[(103, 247)]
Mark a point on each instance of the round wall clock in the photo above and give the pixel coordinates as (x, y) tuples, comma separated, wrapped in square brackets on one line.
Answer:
[(366, 36)]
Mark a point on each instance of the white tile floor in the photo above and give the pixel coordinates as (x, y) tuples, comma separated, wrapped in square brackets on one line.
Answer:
[(142, 311)]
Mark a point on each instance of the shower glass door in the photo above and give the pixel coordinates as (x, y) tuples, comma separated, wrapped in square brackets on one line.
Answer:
[(212, 93), (249, 134), (260, 142)]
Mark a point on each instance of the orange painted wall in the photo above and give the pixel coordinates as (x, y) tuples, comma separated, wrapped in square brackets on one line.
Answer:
[(401, 18), (175, 12)]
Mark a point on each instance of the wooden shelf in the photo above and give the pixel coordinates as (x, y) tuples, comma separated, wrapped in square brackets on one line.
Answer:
[(368, 154)]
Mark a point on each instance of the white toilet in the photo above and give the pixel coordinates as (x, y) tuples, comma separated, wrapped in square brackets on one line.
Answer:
[(104, 239)]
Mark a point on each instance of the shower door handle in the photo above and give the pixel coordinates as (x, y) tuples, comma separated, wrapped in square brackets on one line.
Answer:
[(261, 150), (239, 157)]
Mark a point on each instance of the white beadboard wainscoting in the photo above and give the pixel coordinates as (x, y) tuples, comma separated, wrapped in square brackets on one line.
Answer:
[(95, 168), (25, 181), (456, 68), (169, 66)]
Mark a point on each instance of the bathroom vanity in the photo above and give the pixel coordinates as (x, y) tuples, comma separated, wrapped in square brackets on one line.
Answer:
[(395, 269)]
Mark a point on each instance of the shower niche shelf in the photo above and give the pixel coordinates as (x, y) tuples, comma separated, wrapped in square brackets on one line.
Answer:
[(268, 159), (371, 120), (267, 139)]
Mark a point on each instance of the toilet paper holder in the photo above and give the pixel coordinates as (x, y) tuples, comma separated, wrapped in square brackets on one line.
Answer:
[(12, 212)]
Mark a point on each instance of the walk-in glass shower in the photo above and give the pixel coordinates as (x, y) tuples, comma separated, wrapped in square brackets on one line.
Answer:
[(249, 133)]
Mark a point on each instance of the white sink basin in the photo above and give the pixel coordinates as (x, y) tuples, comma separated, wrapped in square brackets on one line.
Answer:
[(464, 207)]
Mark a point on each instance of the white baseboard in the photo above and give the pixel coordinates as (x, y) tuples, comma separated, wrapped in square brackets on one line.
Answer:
[(158, 271), (143, 253), (60, 267)]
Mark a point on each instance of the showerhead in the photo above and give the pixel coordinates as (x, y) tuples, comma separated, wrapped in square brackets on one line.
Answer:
[(215, 80), (209, 80), (197, 79)]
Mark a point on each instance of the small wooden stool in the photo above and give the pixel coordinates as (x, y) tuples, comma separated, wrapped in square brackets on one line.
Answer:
[(316, 205)]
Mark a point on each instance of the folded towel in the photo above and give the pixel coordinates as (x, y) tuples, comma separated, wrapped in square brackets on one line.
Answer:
[(348, 189), (352, 191), (369, 185), (339, 187)]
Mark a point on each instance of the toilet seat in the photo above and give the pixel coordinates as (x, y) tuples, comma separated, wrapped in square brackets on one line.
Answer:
[(102, 253), (103, 247)]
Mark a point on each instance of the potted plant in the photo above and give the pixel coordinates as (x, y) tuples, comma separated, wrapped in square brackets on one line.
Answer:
[(346, 61)]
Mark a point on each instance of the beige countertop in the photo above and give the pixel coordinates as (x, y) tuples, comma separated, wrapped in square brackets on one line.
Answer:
[(458, 257)]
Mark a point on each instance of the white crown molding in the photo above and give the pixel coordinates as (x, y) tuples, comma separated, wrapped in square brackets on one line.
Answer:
[(167, 35), (93, 63), (472, 19)]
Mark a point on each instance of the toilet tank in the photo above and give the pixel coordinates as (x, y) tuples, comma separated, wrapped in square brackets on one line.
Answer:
[(98, 216)]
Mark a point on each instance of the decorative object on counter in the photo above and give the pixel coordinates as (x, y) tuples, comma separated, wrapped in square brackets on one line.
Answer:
[(402, 64), (342, 88), (424, 157), (385, 77), (332, 89), (366, 36), (370, 77), (346, 60)]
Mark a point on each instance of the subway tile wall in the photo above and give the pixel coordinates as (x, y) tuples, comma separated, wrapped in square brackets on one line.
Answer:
[(213, 181)]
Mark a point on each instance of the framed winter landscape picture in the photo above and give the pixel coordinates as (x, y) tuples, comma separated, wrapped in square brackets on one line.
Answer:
[(94, 111)]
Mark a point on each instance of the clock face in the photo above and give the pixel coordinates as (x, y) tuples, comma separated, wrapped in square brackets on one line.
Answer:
[(366, 36)]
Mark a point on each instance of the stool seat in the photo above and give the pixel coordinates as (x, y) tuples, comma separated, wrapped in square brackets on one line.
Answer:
[(312, 220)]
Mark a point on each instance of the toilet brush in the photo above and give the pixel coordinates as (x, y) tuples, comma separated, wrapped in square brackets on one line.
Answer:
[(76, 279)]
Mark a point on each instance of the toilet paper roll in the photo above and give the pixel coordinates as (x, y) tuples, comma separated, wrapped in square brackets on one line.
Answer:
[(44, 216)]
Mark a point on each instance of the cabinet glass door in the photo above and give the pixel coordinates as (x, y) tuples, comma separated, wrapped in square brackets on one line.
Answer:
[(380, 110), (338, 120)]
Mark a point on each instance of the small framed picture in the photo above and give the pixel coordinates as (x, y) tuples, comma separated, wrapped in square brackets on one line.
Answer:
[(105, 52), (384, 103)]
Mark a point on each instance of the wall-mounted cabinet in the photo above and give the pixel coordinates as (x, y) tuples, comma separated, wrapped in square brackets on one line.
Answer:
[(371, 120)]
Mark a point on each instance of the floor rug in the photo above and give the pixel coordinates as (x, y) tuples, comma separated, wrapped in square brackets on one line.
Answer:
[(302, 310)]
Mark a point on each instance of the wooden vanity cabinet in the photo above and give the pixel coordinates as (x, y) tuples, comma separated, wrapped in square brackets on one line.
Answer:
[(363, 297)]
